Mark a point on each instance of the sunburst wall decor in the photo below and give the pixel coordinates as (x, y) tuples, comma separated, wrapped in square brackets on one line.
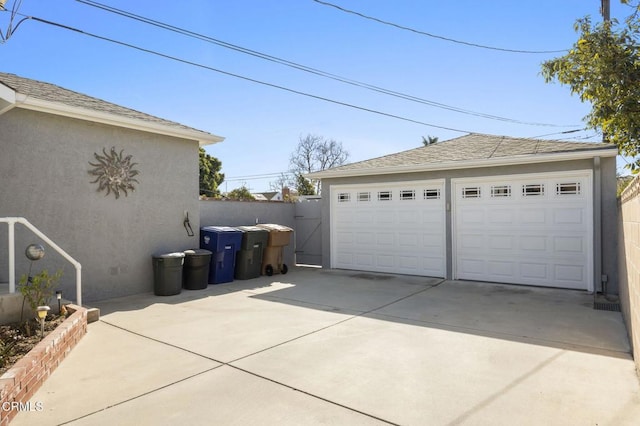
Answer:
[(114, 172)]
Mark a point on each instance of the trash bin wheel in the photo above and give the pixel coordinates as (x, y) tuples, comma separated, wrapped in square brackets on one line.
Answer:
[(268, 270), (284, 269)]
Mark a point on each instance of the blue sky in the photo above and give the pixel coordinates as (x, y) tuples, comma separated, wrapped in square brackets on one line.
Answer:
[(262, 124)]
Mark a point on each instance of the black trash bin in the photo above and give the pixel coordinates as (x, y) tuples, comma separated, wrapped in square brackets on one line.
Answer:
[(249, 258), (195, 272), (167, 273)]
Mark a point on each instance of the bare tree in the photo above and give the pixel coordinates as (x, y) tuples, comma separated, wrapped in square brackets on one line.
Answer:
[(283, 181), (315, 153)]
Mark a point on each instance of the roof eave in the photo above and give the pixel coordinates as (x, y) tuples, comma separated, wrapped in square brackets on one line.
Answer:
[(40, 105), (7, 98), (469, 164)]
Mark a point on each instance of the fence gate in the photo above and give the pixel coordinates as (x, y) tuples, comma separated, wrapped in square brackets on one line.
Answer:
[(308, 217)]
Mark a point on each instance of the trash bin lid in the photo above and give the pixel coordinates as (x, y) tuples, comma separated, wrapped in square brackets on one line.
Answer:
[(219, 229), (274, 227), (174, 255), (197, 252), (251, 228)]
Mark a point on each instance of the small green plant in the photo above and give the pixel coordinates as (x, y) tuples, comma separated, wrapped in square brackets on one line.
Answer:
[(38, 290), (6, 349)]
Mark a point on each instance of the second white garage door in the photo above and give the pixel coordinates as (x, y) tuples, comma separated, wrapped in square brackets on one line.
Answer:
[(395, 228), (525, 229)]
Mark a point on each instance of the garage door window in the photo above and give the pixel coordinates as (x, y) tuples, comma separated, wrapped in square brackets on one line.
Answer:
[(533, 190), (471, 192), (344, 197), (384, 196), (501, 191), (364, 196), (407, 194), (568, 188), (432, 194)]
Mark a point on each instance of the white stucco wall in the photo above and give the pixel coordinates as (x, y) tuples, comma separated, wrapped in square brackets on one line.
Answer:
[(44, 164)]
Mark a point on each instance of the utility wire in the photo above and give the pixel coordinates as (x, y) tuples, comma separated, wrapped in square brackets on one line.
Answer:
[(305, 68), (558, 133), (195, 64), (353, 12)]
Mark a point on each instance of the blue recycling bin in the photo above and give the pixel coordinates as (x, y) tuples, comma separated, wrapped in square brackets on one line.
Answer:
[(223, 242)]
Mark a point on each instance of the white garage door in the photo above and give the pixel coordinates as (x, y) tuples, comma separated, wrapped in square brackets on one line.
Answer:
[(525, 229), (396, 228)]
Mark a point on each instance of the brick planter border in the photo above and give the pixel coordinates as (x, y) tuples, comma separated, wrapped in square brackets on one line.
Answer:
[(20, 382)]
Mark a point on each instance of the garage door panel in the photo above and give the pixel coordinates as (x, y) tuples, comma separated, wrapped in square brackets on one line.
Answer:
[(409, 262), (385, 239), (471, 241), (501, 242), (532, 243), (502, 268), (431, 217), (345, 238), (532, 216), (536, 272), (364, 259), (569, 216), (345, 258), (386, 260), (502, 217), (472, 216), (385, 218), (409, 218), (572, 245), (364, 218), (400, 231), (526, 229), (571, 273)]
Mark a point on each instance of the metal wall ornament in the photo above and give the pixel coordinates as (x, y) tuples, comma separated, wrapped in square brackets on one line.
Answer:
[(114, 172)]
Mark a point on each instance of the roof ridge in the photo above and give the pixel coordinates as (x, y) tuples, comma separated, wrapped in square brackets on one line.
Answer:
[(496, 147)]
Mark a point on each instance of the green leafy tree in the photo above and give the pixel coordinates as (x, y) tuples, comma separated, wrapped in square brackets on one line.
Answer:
[(240, 194), (304, 186), (210, 176), (603, 68)]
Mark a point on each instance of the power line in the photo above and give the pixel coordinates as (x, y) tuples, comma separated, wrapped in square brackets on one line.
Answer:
[(264, 83), (305, 68), (402, 27)]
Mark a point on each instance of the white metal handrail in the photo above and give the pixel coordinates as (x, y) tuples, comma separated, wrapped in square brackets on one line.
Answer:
[(11, 221)]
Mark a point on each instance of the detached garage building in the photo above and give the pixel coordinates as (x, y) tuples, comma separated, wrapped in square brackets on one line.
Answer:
[(479, 207)]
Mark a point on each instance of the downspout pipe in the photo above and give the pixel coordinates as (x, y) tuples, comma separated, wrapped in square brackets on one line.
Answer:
[(597, 228)]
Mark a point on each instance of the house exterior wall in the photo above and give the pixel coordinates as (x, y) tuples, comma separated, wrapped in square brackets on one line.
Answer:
[(608, 202), (238, 213), (44, 177), (629, 257)]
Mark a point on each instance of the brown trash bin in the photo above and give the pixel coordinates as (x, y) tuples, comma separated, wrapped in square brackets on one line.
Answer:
[(272, 256)]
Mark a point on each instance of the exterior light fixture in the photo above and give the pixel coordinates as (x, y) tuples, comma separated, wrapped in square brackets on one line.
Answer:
[(42, 314), (59, 298)]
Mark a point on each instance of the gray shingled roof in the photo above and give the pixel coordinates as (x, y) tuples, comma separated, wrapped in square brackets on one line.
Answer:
[(52, 93), (469, 148)]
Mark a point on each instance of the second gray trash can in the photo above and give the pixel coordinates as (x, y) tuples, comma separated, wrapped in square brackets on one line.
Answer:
[(167, 273), (195, 272)]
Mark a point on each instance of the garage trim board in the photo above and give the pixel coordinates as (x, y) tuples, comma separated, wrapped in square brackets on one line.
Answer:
[(392, 227), (534, 229)]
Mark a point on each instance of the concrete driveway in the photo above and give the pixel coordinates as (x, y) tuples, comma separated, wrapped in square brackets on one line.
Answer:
[(339, 347)]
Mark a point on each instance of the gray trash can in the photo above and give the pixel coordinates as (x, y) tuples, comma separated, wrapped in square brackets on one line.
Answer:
[(167, 273), (195, 272)]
